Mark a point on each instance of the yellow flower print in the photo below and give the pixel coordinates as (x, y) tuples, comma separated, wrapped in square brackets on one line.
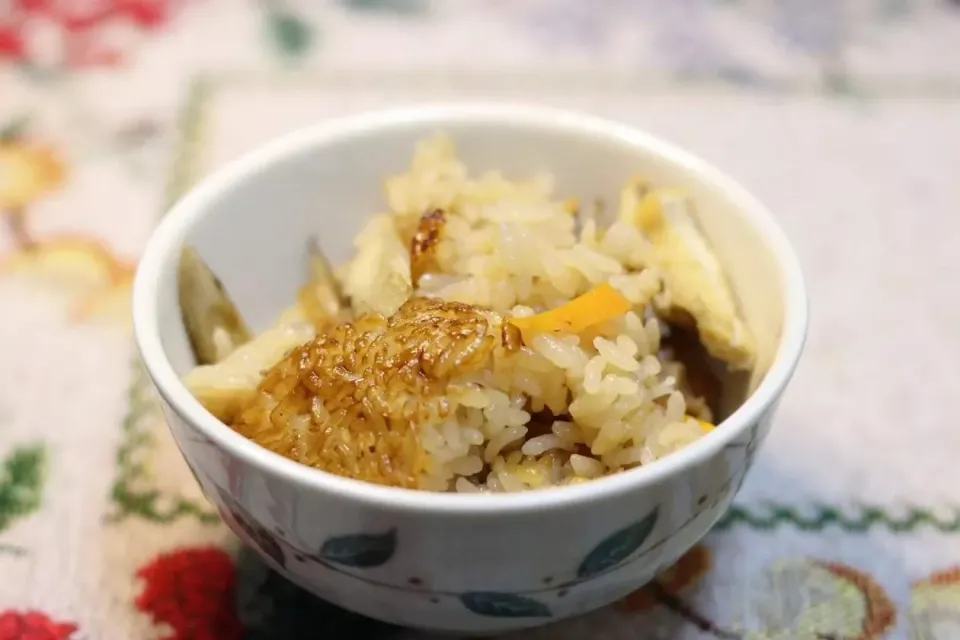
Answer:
[(881, 614), (98, 282), (794, 599), (807, 599), (28, 172)]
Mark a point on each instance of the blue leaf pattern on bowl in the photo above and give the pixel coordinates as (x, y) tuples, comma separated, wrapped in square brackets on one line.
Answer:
[(360, 550), (494, 604), (258, 534), (617, 547)]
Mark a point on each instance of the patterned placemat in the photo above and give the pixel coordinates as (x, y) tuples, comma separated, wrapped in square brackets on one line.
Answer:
[(840, 115)]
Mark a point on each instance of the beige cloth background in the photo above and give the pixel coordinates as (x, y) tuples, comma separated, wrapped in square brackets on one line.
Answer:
[(843, 116)]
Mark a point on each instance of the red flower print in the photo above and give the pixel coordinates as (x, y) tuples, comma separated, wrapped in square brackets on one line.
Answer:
[(12, 46), (193, 592), (33, 625), (147, 14), (32, 5), (83, 27)]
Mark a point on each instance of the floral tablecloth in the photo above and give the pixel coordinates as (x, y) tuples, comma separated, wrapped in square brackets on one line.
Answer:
[(844, 115)]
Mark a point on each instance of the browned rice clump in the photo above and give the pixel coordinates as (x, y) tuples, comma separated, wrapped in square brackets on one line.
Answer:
[(350, 401), (423, 246)]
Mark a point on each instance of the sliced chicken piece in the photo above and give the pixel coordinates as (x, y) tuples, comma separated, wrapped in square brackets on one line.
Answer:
[(697, 290), (378, 279), (225, 386)]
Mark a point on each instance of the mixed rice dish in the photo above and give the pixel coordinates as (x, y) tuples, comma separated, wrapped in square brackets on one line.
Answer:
[(487, 336)]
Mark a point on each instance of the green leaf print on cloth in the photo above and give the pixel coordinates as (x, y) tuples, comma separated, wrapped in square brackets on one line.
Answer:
[(768, 517), (133, 493), (391, 7), (21, 483), (290, 34)]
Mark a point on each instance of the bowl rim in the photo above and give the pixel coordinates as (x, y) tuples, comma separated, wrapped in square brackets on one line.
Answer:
[(166, 240)]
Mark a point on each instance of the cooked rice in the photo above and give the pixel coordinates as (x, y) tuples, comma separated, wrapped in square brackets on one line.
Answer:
[(445, 397)]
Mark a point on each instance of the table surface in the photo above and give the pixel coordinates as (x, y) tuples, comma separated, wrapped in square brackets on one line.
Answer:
[(844, 115)]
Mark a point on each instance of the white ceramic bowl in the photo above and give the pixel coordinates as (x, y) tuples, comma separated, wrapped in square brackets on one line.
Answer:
[(446, 562)]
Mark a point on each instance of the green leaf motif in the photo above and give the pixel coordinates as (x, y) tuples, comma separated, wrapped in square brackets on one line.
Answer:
[(14, 130), (292, 36), (395, 7), (494, 604), (894, 9), (21, 483), (10, 550), (360, 550), (617, 547), (131, 494)]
